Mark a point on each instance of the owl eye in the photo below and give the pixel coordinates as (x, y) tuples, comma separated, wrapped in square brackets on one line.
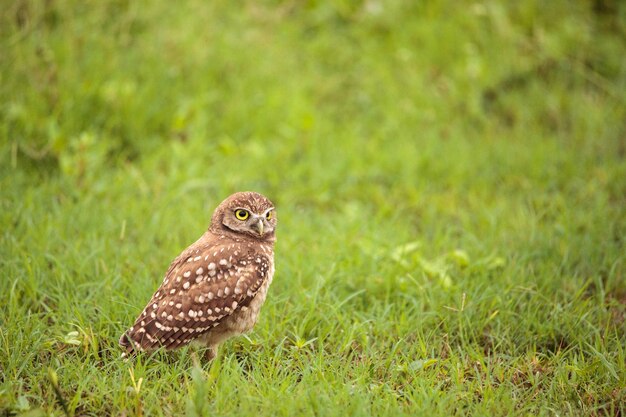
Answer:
[(268, 215), (241, 214)]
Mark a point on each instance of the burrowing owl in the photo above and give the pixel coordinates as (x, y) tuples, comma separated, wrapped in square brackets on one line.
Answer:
[(216, 287)]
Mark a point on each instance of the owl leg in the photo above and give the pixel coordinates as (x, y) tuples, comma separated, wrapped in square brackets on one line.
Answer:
[(210, 353)]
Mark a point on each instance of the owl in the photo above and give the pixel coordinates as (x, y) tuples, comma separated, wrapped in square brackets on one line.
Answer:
[(215, 288)]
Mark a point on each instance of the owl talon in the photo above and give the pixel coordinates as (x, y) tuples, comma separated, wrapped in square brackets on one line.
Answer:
[(210, 354)]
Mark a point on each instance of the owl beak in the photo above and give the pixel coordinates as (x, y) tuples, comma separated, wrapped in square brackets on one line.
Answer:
[(260, 227)]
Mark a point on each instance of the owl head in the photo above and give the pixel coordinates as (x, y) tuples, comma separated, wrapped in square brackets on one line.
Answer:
[(247, 213)]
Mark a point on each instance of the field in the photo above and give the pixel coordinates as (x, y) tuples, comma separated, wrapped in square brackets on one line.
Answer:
[(450, 183)]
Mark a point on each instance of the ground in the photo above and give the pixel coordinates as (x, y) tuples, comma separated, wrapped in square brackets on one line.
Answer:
[(450, 182)]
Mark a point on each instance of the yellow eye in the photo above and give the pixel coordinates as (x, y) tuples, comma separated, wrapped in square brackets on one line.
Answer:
[(241, 214), (268, 215)]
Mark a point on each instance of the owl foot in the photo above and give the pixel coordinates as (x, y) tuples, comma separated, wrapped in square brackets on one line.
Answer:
[(210, 354)]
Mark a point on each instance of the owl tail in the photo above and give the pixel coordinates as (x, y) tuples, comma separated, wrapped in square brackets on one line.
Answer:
[(126, 343)]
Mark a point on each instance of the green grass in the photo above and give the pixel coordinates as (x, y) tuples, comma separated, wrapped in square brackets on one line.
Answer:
[(450, 180)]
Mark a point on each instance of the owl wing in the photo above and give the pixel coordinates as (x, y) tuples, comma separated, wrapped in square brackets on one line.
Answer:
[(201, 288)]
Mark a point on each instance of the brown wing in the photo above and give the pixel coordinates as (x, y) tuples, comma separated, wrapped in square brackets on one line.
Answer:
[(200, 289)]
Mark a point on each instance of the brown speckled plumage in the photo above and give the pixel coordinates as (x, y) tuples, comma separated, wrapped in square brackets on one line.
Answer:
[(215, 288)]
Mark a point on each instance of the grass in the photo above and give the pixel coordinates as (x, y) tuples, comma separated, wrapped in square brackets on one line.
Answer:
[(450, 182)]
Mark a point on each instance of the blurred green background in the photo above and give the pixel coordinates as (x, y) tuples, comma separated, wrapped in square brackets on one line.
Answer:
[(450, 178)]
